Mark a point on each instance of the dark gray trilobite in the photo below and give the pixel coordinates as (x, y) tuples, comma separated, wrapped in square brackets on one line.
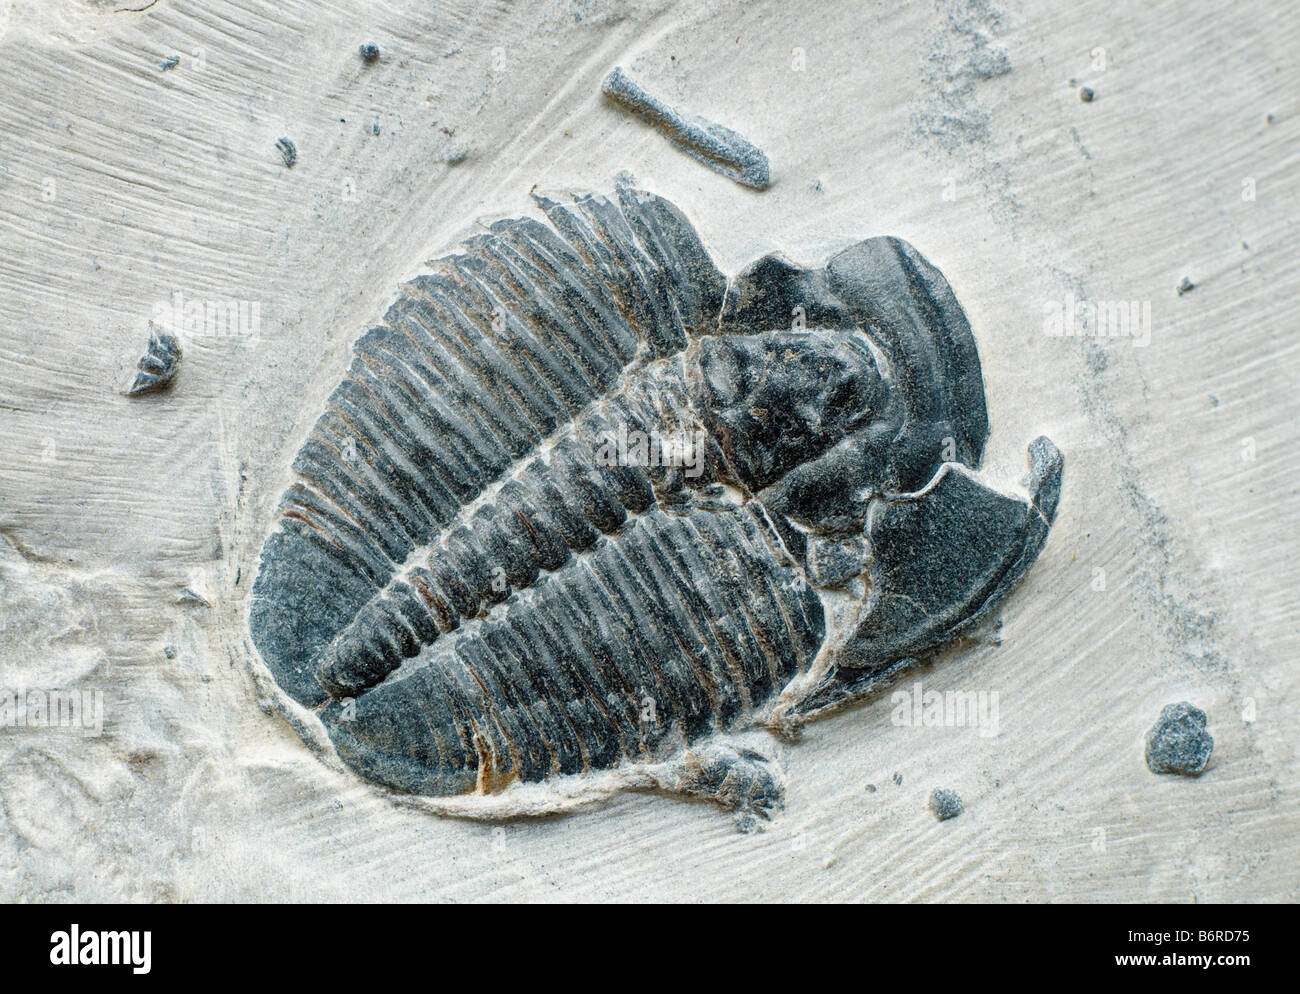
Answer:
[(477, 580)]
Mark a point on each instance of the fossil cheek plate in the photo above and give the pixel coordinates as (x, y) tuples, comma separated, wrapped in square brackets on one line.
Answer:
[(475, 595)]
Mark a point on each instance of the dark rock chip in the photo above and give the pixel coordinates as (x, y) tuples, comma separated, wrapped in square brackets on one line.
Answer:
[(288, 151), (1178, 742), (158, 365), (945, 803)]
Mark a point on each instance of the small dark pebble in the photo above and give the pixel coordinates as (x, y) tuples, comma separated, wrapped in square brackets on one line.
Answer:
[(369, 51), (1178, 742), (945, 803), (171, 63), (1086, 94), (288, 151), (169, 651), (898, 779), (158, 366), (1186, 286), (871, 788)]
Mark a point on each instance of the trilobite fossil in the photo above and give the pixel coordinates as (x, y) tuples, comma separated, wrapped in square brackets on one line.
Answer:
[(478, 580)]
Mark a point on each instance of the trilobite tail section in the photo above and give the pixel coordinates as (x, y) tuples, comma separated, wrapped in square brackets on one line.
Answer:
[(941, 559), (731, 776), (675, 629), (907, 307)]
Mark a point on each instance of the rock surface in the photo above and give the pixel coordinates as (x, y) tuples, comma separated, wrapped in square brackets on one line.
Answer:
[(1170, 573)]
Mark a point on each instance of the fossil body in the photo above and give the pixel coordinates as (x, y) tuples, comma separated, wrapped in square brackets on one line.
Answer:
[(581, 501)]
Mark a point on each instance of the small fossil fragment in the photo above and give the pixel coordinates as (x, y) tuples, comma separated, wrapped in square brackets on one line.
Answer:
[(479, 583), (288, 151), (721, 149), (740, 779), (159, 364), (945, 803), (1178, 741), (170, 63), (1086, 94), (1186, 286), (369, 51)]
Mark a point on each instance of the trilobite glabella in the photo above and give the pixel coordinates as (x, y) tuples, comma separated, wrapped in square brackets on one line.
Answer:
[(499, 561)]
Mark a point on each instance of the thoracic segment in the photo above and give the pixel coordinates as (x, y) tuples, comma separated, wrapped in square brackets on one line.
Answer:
[(558, 506)]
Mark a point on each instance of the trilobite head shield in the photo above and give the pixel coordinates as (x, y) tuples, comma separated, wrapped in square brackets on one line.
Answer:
[(472, 593)]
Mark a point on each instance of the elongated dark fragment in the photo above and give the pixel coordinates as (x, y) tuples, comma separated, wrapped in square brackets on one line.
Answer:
[(721, 149)]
